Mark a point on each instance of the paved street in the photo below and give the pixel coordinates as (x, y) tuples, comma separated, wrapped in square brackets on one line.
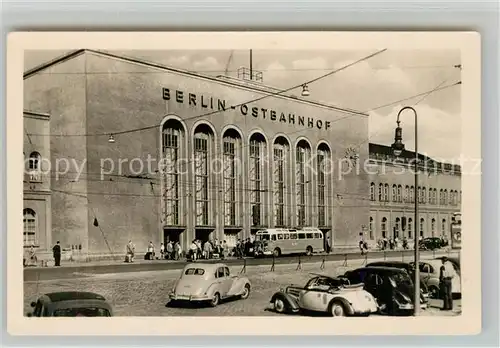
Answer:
[(146, 293)]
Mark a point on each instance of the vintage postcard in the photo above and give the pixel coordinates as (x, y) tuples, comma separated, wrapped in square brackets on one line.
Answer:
[(174, 182)]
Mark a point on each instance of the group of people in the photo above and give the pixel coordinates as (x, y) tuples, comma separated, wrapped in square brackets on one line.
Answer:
[(392, 243)]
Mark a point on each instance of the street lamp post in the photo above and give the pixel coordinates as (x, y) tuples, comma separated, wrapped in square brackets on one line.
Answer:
[(398, 148)]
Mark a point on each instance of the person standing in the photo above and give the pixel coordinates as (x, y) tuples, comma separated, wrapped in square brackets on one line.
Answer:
[(162, 251), (446, 274), (170, 251), (328, 245), (130, 251), (56, 250)]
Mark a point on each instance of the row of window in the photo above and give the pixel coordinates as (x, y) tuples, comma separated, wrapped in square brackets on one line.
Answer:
[(204, 144), (453, 197), (399, 229)]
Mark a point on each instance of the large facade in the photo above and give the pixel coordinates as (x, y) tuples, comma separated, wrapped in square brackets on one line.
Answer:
[(193, 156), (392, 194)]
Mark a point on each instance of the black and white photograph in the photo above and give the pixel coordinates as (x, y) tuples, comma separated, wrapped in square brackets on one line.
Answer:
[(247, 182)]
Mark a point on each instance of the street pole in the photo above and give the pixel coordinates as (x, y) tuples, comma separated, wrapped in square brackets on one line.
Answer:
[(398, 148)]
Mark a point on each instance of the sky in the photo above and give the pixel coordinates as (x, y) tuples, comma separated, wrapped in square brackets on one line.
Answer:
[(386, 78)]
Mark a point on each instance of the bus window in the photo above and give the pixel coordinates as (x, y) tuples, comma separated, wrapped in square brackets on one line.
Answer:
[(286, 236), (280, 236), (273, 237), (309, 236), (317, 235), (293, 235), (302, 236)]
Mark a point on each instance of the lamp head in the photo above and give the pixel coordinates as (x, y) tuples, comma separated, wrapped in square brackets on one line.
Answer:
[(305, 91), (398, 146), (111, 138)]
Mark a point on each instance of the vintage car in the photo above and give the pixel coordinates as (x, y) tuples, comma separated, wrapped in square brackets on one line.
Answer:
[(209, 282), (392, 287), (323, 293), (455, 261), (408, 267), (71, 304), (431, 243), (429, 275)]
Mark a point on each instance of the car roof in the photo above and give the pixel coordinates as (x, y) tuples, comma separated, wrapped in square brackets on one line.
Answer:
[(73, 295), (325, 276), (401, 263), (81, 303), (382, 269), (205, 266)]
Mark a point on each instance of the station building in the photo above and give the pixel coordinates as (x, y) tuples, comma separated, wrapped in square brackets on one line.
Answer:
[(119, 149)]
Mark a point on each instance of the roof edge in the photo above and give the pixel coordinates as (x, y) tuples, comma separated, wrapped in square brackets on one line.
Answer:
[(58, 60)]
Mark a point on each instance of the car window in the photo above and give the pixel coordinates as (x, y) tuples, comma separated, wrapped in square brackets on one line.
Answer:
[(425, 268), (226, 271), (82, 312), (220, 272), (194, 271), (273, 237)]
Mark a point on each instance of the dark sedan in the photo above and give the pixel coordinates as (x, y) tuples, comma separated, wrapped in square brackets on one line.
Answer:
[(71, 304)]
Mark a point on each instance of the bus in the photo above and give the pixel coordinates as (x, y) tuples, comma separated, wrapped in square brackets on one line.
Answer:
[(282, 241)]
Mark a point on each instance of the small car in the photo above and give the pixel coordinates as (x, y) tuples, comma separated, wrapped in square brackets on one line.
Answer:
[(323, 293), (71, 304), (431, 243), (209, 282), (408, 268), (429, 275), (392, 287)]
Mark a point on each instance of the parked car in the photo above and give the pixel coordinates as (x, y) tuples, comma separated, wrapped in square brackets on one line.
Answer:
[(455, 261), (71, 304), (429, 275), (392, 287), (209, 282), (323, 293), (431, 243), (408, 268)]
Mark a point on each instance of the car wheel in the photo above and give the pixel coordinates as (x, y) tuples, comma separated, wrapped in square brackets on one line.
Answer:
[(309, 251), (246, 292), (277, 252), (337, 309), (433, 292), (279, 305), (215, 300)]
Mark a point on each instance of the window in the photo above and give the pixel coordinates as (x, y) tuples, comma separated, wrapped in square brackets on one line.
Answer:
[(257, 150), (424, 195), (29, 227), (433, 227), (430, 195), (227, 273), (219, 273), (372, 191), (445, 197), (34, 167), (412, 192), (386, 192), (400, 194), (441, 195), (407, 193), (280, 169), (443, 227), (280, 236), (309, 236), (302, 182), (383, 227), (422, 227), (201, 151), (452, 198), (394, 193), (286, 236), (396, 228), (317, 235), (293, 235), (231, 142), (435, 199), (322, 156), (171, 135), (273, 237), (419, 194), (194, 271), (381, 192), (371, 228), (302, 235), (410, 226)]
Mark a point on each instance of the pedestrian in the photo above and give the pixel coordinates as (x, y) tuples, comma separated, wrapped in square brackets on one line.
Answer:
[(56, 250), (328, 245), (193, 251), (130, 252), (151, 251), (207, 250), (170, 250), (162, 251), (177, 251), (446, 275), (224, 250)]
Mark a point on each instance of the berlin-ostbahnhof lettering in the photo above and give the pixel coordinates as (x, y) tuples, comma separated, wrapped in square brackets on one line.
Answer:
[(220, 105)]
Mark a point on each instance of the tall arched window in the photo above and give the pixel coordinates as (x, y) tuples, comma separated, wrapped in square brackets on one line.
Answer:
[(29, 227), (400, 194), (419, 195), (460, 197), (257, 155), (397, 227), (443, 227), (445, 197), (412, 193), (172, 145), (203, 149), (422, 222), (280, 170), (372, 191), (383, 227), (303, 182), (386, 192), (380, 192), (435, 199), (424, 195), (407, 194), (430, 195), (34, 169), (410, 227), (371, 228), (232, 157), (451, 197), (394, 193), (322, 186), (433, 227), (441, 195)]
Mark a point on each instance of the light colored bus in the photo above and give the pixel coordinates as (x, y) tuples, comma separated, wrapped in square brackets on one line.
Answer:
[(281, 241)]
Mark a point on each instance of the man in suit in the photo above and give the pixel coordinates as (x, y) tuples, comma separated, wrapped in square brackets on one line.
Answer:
[(56, 250), (446, 274)]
